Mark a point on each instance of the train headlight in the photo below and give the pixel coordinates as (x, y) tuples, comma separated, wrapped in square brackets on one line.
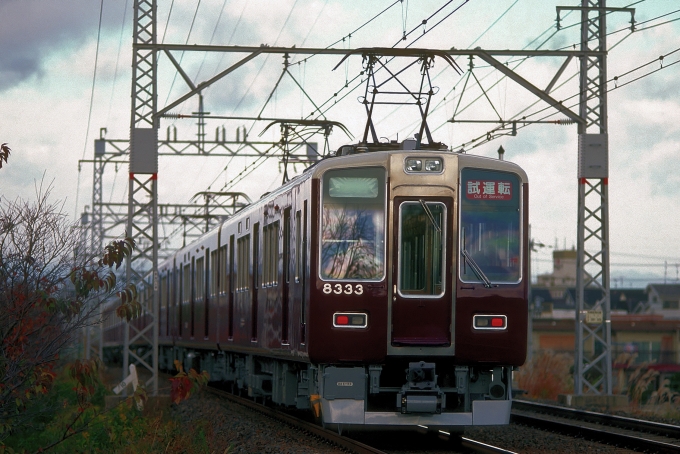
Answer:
[(433, 165), (350, 320), (417, 165), (413, 165)]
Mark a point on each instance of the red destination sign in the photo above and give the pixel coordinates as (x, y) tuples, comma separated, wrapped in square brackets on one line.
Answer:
[(488, 190)]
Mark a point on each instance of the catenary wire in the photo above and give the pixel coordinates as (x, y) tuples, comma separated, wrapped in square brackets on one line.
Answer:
[(89, 115), (526, 58), (193, 21), (115, 73)]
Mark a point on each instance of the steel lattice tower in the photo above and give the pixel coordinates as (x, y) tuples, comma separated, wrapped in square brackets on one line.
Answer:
[(143, 194), (593, 319), (593, 356)]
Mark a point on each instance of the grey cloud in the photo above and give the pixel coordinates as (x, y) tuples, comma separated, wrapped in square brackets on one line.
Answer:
[(32, 29)]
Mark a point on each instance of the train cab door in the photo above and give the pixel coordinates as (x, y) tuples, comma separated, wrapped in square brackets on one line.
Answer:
[(422, 300)]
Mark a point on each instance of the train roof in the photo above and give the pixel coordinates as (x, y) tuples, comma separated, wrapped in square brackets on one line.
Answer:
[(365, 154)]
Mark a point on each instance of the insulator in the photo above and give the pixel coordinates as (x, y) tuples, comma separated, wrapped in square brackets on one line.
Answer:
[(565, 121)]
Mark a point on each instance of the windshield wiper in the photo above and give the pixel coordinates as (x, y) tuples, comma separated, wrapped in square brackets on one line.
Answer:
[(430, 215), (475, 267)]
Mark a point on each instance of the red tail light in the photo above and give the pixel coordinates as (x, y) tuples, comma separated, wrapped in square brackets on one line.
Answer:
[(350, 320), (490, 322)]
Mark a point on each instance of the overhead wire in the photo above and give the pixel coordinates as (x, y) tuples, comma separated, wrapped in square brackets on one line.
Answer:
[(438, 104), (435, 25), (563, 48), (167, 22), (212, 38), (349, 35), (347, 82), (205, 55), (576, 74), (424, 21), (113, 87), (115, 73), (334, 100), (304, 60), (89, 114), (616, 87), (191, 27), (253, 81), (309, 32), (521, 60), (323, 105), (233, 32)]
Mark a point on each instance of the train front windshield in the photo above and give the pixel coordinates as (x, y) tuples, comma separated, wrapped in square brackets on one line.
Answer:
[(490, 233), (353, 224)]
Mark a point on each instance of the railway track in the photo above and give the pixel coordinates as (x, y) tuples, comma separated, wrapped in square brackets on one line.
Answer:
[(342, 442), (328, 435), (635, 434)]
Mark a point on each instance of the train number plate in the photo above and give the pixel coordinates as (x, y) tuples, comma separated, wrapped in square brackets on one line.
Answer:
[(346, 289)]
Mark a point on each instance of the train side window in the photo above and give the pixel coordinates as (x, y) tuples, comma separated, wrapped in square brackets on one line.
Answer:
[(255, 281), (186, 284), (213, 273), (270, 254), (490, 226), (223, 273), (286, 245), (353, 224), (205, 283), (256, 256), (200, 279), (298, 245), (232, 290), (243, 264)]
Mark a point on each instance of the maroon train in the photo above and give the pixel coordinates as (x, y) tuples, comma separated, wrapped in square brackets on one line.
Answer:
[(385, 286)]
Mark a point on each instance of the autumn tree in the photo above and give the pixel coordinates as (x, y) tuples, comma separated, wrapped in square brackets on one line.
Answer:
[(47, 297)]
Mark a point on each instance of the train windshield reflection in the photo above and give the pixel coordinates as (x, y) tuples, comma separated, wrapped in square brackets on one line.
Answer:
[(353, 224), (490, 233)]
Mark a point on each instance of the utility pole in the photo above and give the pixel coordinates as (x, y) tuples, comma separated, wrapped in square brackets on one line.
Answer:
[(593, 355), (142, 225)]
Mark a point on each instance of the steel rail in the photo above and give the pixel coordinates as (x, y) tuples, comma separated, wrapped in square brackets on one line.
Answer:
[(478, 446), (623, 422), (334, 437), (572, 421), (329, 435)]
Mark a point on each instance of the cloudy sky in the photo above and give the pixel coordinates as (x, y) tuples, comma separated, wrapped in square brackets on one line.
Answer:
[(65, 74)]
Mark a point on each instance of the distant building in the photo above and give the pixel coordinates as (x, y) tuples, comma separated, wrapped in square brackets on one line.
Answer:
[(563, 275), (645, 323), (637, 339), (663, 299)]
